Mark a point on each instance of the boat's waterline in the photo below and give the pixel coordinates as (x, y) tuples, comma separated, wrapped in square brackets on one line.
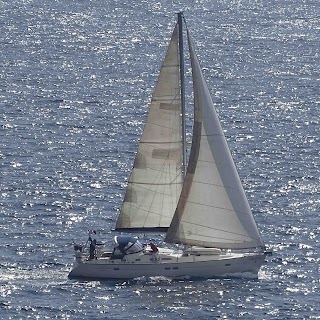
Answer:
[(171, 265)]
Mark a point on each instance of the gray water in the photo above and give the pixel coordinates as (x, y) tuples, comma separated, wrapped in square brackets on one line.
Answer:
[(75, 80)]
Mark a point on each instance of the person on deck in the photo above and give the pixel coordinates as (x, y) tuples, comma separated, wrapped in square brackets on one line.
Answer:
[(92, 249), (154, 251)]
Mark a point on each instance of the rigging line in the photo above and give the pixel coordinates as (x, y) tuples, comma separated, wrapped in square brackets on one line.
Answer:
[(163, 193), (182, 92), (182, 16), (155, 192), (222, 239), (150, 183), (184, 20), (169, 65), (158, 142), (153, 212), (158, 169), (220, 230), (165, 98), (157, 189), (215, 185), (154, 184), (225, 209), (168, 97), (158, 125), (213, 135)]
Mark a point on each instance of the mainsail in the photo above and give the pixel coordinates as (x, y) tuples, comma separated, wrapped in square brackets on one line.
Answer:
[(155, 183), (213, 210)]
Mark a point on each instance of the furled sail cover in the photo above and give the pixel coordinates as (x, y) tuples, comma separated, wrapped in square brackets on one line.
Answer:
[(155, 183), (213, 210)]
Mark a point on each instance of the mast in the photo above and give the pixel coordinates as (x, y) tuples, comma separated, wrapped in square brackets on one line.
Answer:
[(182, 93)]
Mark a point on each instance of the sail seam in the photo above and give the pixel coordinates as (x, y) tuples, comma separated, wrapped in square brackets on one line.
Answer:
[(164, 142), (154, 191), (169, 65), (216, 185), (212, 135), (161, 98), (154, 184), (220, 230), (157, 125), (156, 170), (149, 211), (209, 206)]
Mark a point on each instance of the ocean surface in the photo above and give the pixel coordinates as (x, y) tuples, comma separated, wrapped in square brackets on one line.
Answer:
[(75, 81)]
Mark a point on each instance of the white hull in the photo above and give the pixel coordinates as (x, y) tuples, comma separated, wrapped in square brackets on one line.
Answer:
[(169, 264)]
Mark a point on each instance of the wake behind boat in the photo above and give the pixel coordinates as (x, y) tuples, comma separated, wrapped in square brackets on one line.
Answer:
[(199, 203)]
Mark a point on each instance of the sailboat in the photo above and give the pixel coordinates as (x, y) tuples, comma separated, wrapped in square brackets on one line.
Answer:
[(199, 203)]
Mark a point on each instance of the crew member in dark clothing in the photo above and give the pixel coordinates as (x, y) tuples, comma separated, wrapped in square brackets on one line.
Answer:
[(92, 249)]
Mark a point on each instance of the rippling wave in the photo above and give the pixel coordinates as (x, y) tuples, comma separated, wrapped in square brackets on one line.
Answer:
[(75, 80)]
